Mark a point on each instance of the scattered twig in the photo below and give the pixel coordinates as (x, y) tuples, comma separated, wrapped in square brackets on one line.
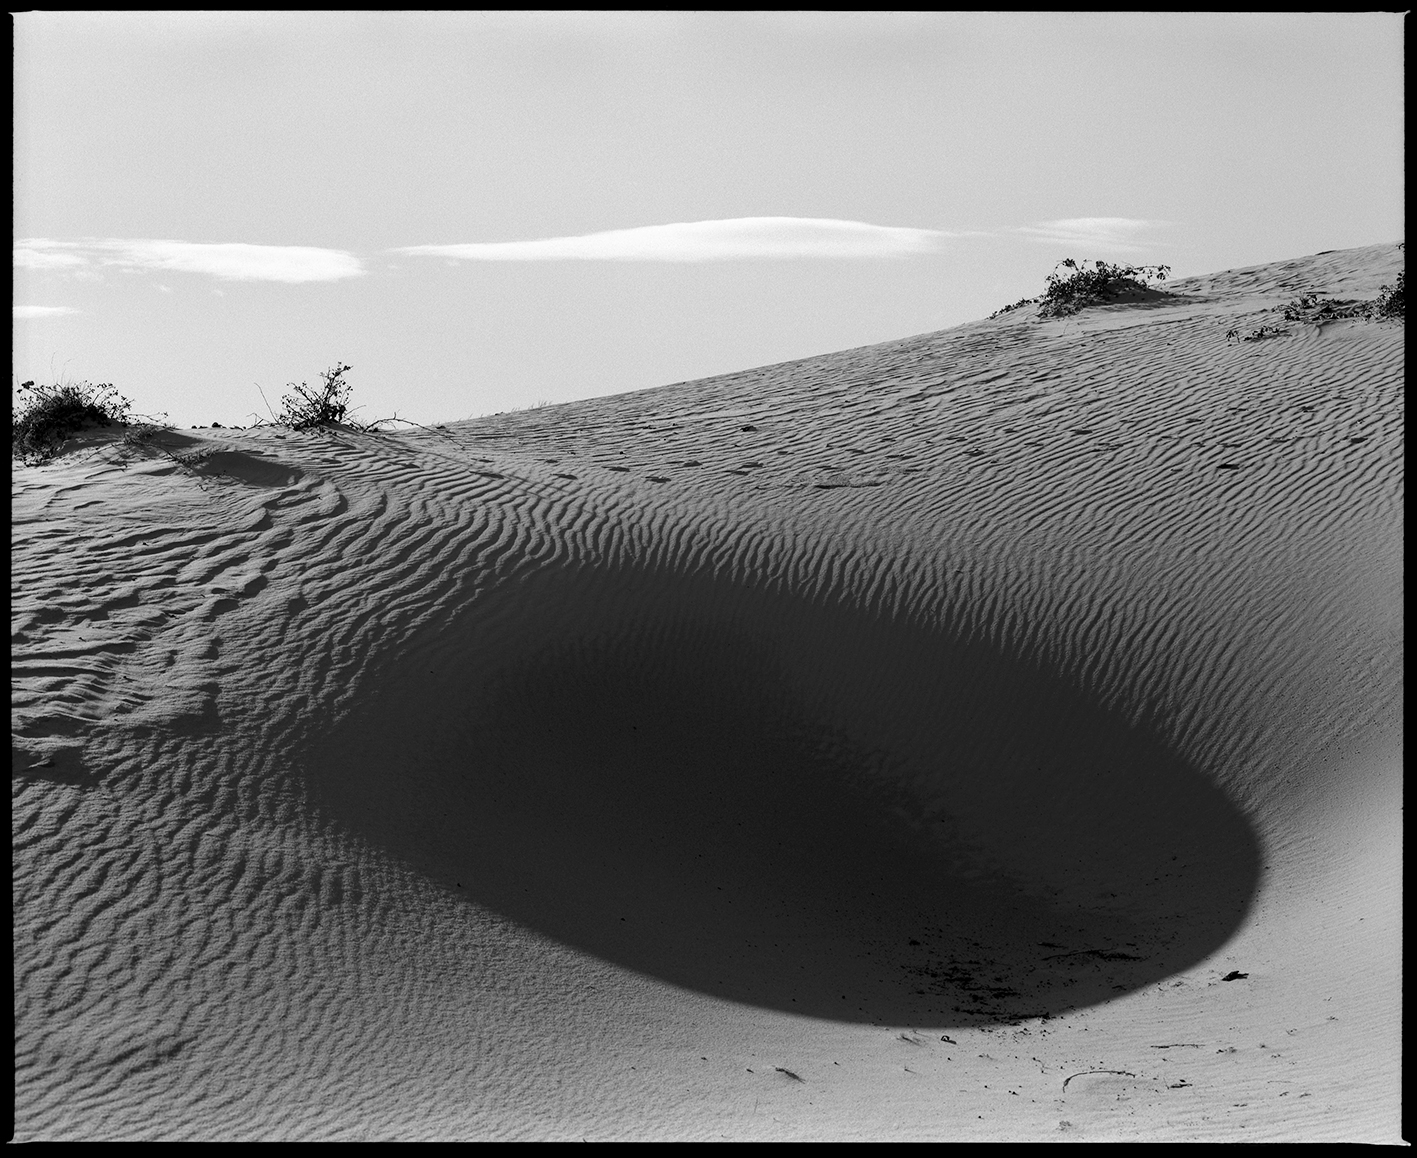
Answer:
[(143, 436), (410, 421), (274, 420), (1084, 1073)]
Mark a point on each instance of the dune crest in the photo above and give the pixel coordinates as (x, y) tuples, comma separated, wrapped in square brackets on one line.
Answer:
[(989, 734)]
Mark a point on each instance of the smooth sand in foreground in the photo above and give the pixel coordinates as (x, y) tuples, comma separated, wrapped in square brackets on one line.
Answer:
[(993, 734)]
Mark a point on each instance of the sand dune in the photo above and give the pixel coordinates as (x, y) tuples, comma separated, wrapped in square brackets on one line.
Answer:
[(992, 734)]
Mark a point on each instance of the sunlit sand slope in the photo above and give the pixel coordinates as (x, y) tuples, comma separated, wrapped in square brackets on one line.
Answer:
[(991, 734)]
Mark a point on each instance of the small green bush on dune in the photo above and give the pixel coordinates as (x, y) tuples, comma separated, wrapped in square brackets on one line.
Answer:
[(306, 408), (1067, 293), (1096, 286), (1392, 299), (1389, 305), (47, 416)]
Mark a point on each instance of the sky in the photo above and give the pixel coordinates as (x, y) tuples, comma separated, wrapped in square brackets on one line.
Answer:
[(481, 212)]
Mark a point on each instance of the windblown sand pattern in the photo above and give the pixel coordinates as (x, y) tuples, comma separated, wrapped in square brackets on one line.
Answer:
[(902, 743)]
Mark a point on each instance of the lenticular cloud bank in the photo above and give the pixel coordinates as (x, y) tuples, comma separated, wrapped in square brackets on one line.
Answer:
[(986, 735)]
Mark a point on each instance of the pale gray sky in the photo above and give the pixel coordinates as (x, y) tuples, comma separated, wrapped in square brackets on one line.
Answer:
[(484, 210)]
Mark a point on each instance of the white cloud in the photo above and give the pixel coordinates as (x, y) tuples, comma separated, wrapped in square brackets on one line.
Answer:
[(1117, 234), (41, 311), (237, 262), (741, 238), (737, 238), (230, 262), (33, 254)]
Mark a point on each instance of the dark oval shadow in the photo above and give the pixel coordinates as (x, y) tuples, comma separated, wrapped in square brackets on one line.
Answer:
[(252, 469), (800, 807)]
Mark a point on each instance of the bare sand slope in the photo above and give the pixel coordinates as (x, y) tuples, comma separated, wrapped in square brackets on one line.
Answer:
[(992, 734)]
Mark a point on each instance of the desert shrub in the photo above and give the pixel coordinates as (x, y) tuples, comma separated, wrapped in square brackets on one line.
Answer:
[(306, 407), (1295, 310), (46, 417), (1392, 299), (1308, 308), (1067, 294), (1390, 304)]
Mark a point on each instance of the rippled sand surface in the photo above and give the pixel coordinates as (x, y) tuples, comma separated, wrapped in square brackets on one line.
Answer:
[(992, 734)]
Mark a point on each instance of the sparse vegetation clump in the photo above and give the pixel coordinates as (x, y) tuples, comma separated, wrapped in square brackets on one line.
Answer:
[(1018, 305), (1258, 335), (46, 417), (1067, 293), (1392, 299), (1088, 287), (1389, 305), (306, 408), (1308, 308)]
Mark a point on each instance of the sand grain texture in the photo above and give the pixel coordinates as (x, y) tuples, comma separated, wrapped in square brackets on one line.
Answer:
[(902, 743)]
